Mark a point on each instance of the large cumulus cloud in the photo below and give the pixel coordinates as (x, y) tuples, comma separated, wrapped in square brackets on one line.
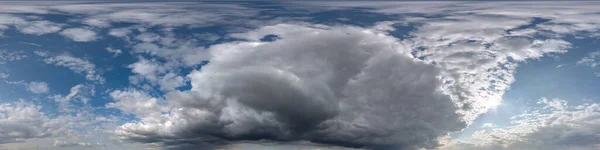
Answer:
[(336, 85)]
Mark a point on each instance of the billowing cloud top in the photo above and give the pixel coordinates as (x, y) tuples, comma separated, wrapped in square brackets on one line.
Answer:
[(290, 75)]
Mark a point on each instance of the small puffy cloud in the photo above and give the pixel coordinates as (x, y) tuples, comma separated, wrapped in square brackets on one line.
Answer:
[(155, 73), (38, 87), (136, 102), (115, 52), (79, 34), (77, 65), (39, 27), (4, 75), (120, 32)]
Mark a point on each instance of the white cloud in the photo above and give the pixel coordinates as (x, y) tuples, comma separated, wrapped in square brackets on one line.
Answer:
[(39, 27), (102, 15), (554, 126), (136, 102), (79, 92), (77, 65), (156, 73), (38, 87), (33, 87), (468, 54), (116, 52), (120, 32), (7, 20), (555, 104), (166, 14), (20, 121), (79, 34), (8, 56), (592, 59), (4, 75)]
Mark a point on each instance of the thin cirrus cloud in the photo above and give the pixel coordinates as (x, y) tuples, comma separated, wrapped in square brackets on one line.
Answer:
[(75, 64), (322, 85)]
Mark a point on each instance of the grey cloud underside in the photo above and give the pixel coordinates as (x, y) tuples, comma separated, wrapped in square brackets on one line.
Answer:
[(343, 86)]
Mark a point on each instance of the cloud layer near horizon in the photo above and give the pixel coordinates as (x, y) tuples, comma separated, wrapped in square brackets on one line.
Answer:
[(329, 84)]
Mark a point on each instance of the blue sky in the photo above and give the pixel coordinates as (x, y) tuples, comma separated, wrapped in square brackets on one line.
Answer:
[(299, 75)]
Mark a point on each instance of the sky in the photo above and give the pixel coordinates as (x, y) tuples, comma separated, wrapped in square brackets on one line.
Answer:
[(381, 75)]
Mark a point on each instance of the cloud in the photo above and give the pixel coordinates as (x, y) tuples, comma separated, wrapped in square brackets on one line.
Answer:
[(8, 56), (554, 126), (309, 91), (155, 14), (103, 15), (344, 86), (116, 52), (79, 34), (136, 102), (28, 25), (592, 59), (39, 27), (4, 75), (33, 87), (38, 87), (21, 120), (477, 56), (156, 73), (77, 65), (58, 143), (78, 92)]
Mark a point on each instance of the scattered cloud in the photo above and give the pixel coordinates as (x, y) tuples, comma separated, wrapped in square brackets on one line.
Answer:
[(115, 52), (38, 87), (136, 102), (592, 59), (39, 27), (78, 92), (4, 75), (554, 126), (79, 34), (33, 87), (8, 56), (77, 65)]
